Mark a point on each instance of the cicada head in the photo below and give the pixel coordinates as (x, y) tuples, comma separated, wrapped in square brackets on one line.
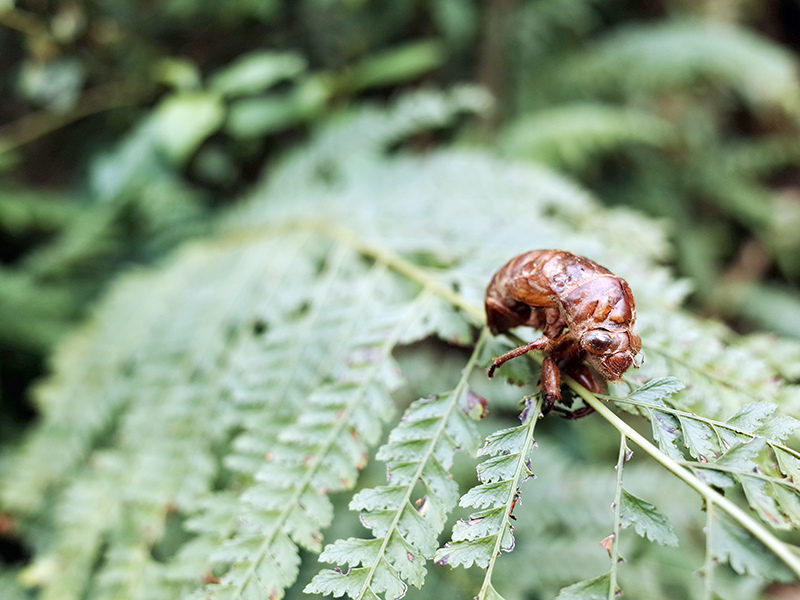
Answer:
[(611, 353)]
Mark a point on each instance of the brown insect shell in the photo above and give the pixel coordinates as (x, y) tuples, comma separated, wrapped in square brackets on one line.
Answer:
[(552, 290)]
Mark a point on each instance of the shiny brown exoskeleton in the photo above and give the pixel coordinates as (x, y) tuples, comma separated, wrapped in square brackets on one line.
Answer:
[(585, 312)]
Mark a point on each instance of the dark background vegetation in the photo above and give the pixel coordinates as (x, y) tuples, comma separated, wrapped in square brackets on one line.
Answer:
[(87, 189)]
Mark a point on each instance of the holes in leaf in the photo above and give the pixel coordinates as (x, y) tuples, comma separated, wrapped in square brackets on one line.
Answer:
[(259, 327)]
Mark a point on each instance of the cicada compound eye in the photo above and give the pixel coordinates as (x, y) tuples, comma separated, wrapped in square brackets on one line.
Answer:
[(597, 341)]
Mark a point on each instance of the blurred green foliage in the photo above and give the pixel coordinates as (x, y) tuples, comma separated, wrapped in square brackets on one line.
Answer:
[(142, 120), (126, 127)]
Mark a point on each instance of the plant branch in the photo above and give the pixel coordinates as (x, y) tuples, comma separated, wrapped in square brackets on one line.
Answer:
[(402, 266), (711, 496)]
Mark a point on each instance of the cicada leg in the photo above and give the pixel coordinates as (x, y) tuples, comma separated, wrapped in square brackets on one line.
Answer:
[(543, 343), (588, 379), (551, 384)]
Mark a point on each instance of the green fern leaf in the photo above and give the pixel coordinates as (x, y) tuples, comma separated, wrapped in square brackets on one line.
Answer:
[(656, 390), (698, 437), (591, 589), (319, 452), (666, 431), (480, 538), (721, 374), (572, 135), (419, 450), (646, 520), (192, 432), (730, 452), (361, 582), (744, 553), (676, 53)]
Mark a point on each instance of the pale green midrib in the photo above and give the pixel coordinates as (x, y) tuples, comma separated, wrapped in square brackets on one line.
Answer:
[(341, 422), (341, 235), (454, 397)]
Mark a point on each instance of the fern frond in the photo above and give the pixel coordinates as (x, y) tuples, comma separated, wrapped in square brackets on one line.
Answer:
[(322, 449), (761, 156), (572, 135), (32, 314), (419, 450), (784, 561), (485, 534), (721, 372), (68, 435), (731, 451), (645, 519), (726, 452), (674, 54), (742, 551)]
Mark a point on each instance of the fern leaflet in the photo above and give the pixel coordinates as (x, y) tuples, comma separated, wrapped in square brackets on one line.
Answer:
[(729, 452), (485, 534), (419, 450), (320, 451)]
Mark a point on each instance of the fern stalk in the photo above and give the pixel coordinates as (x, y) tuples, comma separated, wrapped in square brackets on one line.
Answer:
[(401, 266), (614, 553), (709, 494)]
